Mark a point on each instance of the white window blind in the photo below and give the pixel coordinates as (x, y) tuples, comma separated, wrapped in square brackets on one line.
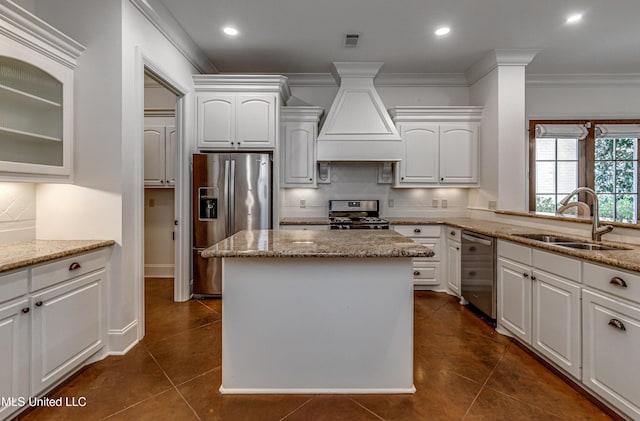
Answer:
[(572, 131), (617, 131)]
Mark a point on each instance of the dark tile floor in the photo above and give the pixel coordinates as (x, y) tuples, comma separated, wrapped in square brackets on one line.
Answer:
[(463, 370)]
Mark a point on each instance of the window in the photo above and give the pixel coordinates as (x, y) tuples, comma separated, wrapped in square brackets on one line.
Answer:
[(600, 154)]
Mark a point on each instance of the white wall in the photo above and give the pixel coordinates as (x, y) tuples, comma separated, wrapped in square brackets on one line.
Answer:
[(158, 228), (600, 101), (17, 212), (107, 200)]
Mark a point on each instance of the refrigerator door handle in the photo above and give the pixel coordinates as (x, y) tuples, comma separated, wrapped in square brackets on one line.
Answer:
[(232, 199), (226, 197)]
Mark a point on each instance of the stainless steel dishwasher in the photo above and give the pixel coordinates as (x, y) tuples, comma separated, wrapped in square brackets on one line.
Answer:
[(478, 280)]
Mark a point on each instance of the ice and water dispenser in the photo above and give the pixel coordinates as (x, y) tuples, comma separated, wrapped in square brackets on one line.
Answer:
[(207, 203)]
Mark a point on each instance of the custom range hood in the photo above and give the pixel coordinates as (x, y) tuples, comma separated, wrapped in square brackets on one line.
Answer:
[(358, 127)]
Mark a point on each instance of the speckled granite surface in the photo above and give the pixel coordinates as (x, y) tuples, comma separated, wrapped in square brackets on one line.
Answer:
[(623, 259), (304, 221), (19, 255), (336, 243)]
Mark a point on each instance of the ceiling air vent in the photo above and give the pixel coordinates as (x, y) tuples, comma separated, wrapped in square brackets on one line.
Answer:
[(351, 40)]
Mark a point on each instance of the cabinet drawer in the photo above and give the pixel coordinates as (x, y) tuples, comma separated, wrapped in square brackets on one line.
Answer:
[(418, 230), (60, 270), (514, 252), (564, 266), (614, 281), (453, 234), (426, 273), (13, 285)]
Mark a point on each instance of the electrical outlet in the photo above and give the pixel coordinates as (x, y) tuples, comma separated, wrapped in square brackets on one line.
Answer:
[(445, 203), (492, 204), (303, 203), (390, 203), (434, 203)]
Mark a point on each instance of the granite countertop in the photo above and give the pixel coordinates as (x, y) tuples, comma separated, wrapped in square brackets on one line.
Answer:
[(19, 255), (333, 243), (623, 259), (305, 221)]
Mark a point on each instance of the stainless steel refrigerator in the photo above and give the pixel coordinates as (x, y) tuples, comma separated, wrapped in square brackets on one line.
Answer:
[(231, 192)]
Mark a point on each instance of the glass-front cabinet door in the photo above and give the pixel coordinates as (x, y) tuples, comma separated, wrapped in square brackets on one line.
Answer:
[(36, 99)]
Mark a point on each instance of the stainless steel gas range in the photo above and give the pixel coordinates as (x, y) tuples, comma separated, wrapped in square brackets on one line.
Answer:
[(356, 214)]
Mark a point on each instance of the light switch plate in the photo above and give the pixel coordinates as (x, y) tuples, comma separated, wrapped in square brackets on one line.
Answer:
[(303, 203), (445, 203)]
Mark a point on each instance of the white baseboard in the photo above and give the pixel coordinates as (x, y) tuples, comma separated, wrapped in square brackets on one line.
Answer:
[(122, 340), (159, 271)]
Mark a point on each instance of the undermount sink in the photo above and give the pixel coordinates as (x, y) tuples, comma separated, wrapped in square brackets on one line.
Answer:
[(570, 242), (545, 238), (591, 246)]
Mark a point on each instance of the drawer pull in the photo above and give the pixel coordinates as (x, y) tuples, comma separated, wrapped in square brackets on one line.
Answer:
[(619, 282), (25, 310), (39, 304), (417, 230), (416, 273), (533, 278), (617, 324), (75, 266), (526, 275)]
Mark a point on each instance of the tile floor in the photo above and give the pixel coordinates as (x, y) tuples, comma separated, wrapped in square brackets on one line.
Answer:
[(463, 370)]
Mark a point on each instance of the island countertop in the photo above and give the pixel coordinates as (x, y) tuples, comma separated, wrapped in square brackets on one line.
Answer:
[(334, 243)]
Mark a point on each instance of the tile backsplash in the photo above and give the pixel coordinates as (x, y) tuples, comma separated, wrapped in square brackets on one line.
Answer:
[(17, 212)]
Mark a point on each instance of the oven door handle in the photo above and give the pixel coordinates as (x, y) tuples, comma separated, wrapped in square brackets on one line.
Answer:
[(476, 240)]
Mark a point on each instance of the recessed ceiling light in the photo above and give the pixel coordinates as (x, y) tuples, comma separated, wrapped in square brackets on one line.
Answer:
[(230, 31), (574, 18), (444, 30)]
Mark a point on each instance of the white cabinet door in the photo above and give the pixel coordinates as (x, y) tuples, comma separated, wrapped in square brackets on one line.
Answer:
[(299, 154), (514, 298), (459, 154), (454, 256), (420, 160), (154, 156), (611, 342), (256, 121), (216, 120), (171, 150), (14, 353), (556, 320), (67, 328)]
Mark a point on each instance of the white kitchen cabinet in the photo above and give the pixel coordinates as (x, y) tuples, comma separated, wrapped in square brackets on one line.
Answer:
[(440, 146), (14, 340), (539, 302), (299, 131), (239, 111), (453, 259), (611, 336), (160, 146), (36, 98), (426, 270)]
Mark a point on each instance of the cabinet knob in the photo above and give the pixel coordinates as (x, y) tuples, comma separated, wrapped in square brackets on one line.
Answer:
[(75, 266), (311, 179), (442, 179), (25, 310), (416, 273), (619, 282), (533, 278), (457, 248), (452, 233), (526, 275), (417, 230), (617, 324), (401, 178), (39, 304)]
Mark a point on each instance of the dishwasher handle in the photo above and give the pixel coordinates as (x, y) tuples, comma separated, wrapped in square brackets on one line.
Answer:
[(473, 239)]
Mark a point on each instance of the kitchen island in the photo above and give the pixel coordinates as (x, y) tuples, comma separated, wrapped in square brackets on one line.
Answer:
[(317, 311)]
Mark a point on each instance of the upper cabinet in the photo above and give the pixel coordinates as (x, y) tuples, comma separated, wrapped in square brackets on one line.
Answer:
[(160, 148), (440, 146), (299, 133), (239, 111), (37, 63)]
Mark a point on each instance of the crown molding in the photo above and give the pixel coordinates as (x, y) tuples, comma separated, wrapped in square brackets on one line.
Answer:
[(496, 58), (582, 79), (166, 24), (454, 113), (23, 27), (160, 112), (301, 113), (383, 79), (243, 82)]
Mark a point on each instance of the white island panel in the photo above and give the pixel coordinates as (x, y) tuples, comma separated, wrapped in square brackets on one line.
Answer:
[(309, 325)]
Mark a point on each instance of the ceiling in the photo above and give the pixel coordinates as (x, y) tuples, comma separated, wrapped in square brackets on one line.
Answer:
[(302, 36)]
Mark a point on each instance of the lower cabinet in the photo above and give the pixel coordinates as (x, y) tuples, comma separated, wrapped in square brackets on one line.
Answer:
[(426, 270), (53, 320), (538, 306), (454, 260)]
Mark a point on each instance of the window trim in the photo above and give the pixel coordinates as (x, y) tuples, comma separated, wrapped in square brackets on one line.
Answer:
[(586, 148)]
